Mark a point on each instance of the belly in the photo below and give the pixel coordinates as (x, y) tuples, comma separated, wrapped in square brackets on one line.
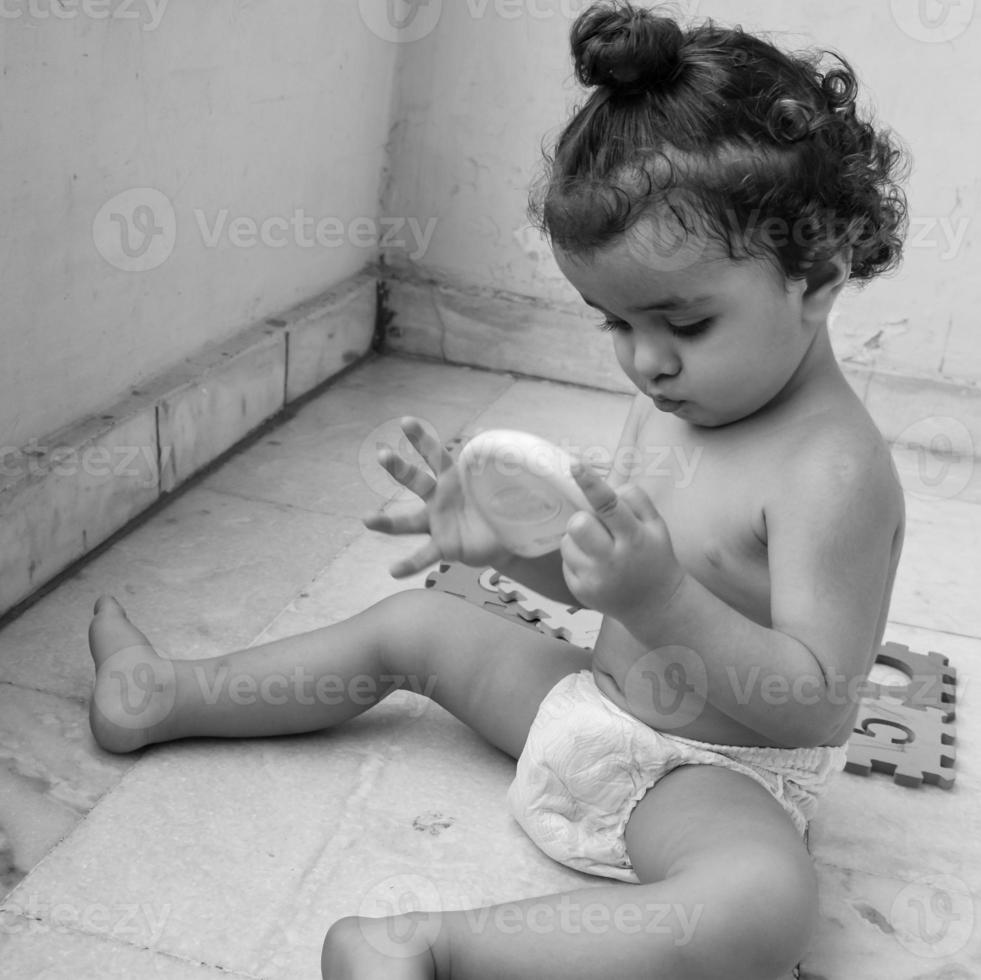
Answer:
[(665, 688)]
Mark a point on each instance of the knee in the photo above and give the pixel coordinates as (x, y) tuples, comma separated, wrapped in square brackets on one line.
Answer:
[(757, 925), (412, 623), (782, 892), (415, 613)]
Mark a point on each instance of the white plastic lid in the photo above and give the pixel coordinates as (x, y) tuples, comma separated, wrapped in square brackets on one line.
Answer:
[(523, 487)]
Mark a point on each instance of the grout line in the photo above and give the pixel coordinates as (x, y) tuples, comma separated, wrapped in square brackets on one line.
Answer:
[(286, 368), (932, 629), (156, 428), (53, 930)]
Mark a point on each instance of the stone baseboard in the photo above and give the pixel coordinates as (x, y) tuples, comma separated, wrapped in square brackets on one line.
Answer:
[(62, 496)]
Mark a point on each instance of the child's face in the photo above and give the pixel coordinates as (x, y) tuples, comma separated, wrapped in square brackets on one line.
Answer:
[(724, 337)]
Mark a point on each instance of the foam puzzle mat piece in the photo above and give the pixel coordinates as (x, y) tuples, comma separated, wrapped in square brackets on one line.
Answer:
[(578, 626), (473, 586), (932, 681), (913, 745)]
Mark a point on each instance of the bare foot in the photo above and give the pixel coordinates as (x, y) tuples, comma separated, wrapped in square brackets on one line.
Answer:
[(135, 688)]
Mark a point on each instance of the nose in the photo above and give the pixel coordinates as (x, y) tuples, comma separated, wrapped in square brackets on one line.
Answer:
[(654, 354)]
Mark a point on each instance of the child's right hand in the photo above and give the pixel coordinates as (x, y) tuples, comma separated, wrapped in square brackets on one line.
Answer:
[(456, 531)]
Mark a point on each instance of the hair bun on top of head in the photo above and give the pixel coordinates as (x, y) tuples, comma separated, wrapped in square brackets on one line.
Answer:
[(627, 48)]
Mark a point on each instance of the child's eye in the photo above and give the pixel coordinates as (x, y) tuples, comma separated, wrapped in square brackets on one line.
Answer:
[(608, 323), (690, 329)]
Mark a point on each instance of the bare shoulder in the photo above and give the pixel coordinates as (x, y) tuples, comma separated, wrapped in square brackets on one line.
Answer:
[(837, 460)]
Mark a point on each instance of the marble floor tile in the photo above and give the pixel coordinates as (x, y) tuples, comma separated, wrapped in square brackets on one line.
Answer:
[(353, 581), (938, 475), (325, 457), (939, 574), (51, 774), (249, 849), (873, 927), (874, 825), (203, 575), (54, 950)]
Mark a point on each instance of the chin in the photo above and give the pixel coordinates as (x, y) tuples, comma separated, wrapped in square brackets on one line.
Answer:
[(708, 418)]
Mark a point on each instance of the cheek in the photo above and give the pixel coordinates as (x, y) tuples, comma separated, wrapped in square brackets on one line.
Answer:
[(624, 350)]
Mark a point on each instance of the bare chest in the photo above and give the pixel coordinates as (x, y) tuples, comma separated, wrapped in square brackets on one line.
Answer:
[(710, 494)]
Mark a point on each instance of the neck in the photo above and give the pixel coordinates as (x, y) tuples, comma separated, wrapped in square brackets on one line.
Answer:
[(817, 369)]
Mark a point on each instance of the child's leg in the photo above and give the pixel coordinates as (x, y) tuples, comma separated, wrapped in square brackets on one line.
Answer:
[(490, 673), (728, 890)]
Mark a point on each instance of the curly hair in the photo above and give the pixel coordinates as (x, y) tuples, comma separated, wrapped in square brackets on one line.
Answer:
[(760, 149)]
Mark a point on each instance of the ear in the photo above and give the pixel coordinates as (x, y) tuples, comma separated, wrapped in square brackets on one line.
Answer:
[(823, 281)]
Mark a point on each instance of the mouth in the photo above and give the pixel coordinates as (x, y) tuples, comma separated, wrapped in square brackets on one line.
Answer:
[(666, 404)]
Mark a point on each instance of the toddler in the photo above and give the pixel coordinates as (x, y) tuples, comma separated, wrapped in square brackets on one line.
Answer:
[(710, 200)]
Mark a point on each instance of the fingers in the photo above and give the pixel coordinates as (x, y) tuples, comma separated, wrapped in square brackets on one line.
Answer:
[(639, 503), (427, 444), (410, 521), (586, 533), (427, 555), (602, 498), (410, 475)]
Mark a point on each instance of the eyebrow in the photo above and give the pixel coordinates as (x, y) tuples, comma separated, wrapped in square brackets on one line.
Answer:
[(668, 303)]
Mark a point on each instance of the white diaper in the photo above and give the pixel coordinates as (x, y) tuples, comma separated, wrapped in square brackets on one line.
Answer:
[(587, 763)]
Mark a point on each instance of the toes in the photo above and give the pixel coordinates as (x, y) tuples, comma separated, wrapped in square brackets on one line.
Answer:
[(107, 603)]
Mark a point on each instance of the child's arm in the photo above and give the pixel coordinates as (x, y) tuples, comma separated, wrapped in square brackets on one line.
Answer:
[(832, 527)]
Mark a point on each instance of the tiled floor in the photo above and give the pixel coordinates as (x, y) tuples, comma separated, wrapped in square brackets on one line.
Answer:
[(211, 858)]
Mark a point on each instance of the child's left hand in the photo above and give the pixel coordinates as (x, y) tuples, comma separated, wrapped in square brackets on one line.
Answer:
[(618, 559)]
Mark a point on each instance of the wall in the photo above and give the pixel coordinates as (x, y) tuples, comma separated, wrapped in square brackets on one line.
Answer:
[(212, 112), (489, 79)]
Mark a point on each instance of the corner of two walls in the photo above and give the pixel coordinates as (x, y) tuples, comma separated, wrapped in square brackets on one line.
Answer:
[(171, 184)]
